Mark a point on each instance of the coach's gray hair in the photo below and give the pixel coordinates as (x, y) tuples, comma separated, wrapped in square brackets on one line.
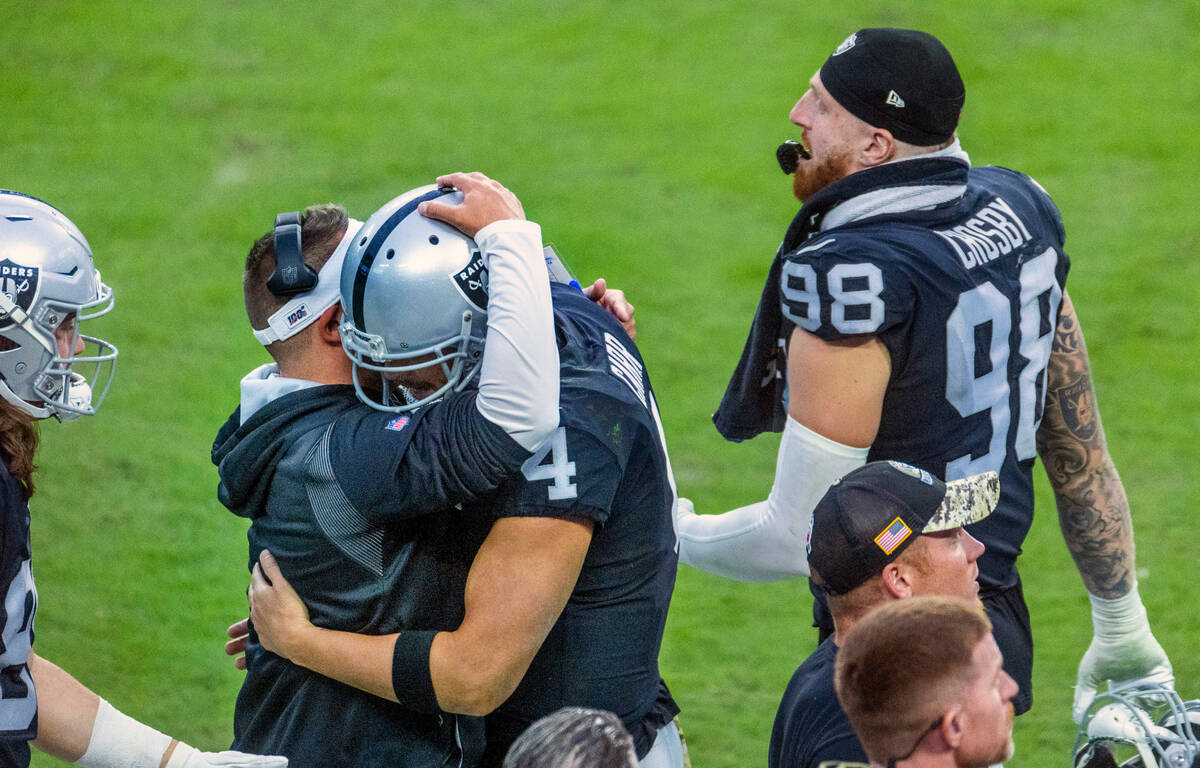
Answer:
[(574, 737)]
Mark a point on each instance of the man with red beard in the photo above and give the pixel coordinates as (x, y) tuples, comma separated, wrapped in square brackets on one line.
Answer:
[(917, 306)]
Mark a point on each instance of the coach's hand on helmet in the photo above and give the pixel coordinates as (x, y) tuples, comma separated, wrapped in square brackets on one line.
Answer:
[(485, 201), (278, 613)]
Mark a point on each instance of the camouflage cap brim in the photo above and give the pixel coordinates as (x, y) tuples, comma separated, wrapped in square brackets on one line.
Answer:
[(967, 501)]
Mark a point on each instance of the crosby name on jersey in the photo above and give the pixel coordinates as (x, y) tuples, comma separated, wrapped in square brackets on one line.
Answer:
[(965, 297)]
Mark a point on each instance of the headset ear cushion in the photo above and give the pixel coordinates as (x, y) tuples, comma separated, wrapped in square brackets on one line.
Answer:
[(291, 275)]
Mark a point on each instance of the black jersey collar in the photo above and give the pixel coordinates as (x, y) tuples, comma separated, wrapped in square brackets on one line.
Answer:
[(890, 188)]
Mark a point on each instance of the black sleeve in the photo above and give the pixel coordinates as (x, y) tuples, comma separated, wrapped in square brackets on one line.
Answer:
[(447, 453), (574, 474), (837, 289)]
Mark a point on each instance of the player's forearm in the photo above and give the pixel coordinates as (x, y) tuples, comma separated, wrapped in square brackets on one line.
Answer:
[(361, 661), (472, 676), (767, 541), (518, 381), (742, 544), (522, 577), (66, 710), (1093, 510)]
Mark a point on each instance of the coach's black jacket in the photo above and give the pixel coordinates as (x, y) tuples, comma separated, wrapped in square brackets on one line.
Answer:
[(338, 491)]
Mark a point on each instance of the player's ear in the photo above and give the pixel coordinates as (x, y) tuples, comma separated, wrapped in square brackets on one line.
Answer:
[(897, 580), (879, 147), (329, 324), (951, 729)]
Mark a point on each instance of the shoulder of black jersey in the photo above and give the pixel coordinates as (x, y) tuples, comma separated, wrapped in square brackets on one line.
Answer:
[(14, 494), (851, 283), (835, 245), (1009, 183), (575, 316)]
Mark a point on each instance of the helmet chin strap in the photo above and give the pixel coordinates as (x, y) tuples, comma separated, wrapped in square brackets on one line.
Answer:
[(22, 404)]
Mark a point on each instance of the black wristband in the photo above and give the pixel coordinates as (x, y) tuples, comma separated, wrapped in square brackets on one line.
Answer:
[(411, 680)]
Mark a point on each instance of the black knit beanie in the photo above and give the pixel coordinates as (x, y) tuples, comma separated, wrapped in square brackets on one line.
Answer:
[(898, 79)]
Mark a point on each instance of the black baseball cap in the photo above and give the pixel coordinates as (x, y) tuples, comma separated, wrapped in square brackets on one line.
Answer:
[(867, 518), (899, 79)]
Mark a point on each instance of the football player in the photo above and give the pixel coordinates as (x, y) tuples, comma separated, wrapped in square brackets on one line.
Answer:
[(917, 306), (567, 597), (337, 489), (49, 287)]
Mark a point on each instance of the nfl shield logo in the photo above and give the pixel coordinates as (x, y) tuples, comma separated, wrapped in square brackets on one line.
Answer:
[(397, 424), (19, 285)]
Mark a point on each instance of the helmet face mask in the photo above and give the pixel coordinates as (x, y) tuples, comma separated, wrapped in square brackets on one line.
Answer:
[(414, 297), (1139, 725), (48, 280)]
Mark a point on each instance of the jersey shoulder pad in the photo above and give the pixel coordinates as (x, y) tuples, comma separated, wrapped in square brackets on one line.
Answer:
[(845, 284), (1020, 185)]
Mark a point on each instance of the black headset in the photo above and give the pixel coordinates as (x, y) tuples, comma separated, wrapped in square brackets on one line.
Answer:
[(291, 275)]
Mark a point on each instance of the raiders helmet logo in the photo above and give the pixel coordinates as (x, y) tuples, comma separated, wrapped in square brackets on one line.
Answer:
[(19, 285), (472, 281)]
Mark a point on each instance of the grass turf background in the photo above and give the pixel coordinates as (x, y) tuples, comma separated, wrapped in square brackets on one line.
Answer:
[(641, 136)]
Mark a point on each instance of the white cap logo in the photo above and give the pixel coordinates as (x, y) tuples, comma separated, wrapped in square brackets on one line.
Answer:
[(847, 44), (895, 100)]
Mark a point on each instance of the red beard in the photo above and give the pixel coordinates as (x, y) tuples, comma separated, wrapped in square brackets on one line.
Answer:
[(814, 175)]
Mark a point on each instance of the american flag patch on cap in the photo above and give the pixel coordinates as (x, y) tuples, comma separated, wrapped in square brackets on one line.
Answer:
[(893, 536)]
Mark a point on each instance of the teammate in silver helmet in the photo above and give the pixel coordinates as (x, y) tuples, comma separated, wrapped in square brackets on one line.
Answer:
[(48, 288)]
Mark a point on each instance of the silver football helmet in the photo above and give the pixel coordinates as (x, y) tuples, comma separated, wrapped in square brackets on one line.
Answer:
[(414, 295), (47, 278), (1140, 725)]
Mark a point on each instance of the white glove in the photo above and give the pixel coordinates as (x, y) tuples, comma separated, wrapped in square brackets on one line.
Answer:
[(185, 756), (1123, 650), (119, 741)]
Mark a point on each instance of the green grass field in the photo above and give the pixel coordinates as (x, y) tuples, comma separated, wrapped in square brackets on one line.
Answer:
[(641, 136)]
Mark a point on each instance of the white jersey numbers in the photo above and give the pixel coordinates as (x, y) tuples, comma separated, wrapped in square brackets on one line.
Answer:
[(983, 316), (18, 702), (560, 470), (855, 289)]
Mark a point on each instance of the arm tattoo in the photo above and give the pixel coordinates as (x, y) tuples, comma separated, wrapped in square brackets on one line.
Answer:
[(1093, 511)]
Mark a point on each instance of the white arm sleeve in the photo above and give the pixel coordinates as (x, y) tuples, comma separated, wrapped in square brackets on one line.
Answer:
[(119, 741), (767, 541), (518, 380)]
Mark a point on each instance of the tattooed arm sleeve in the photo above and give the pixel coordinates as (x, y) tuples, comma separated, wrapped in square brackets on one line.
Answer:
[(1092, 509)]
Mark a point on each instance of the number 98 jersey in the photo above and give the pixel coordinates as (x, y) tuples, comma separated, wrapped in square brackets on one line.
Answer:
[(966, 298)]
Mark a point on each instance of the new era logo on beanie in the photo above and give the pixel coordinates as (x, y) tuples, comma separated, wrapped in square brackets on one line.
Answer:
[(871, 68)]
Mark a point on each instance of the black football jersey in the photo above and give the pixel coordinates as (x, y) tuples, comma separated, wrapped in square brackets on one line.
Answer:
[(966, 299), (607, 461), (18, 700)]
